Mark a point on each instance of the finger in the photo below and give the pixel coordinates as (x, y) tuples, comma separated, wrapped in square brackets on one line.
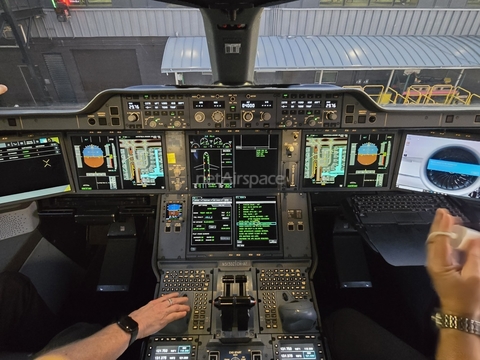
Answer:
[(170, 296), (441, 216), (438, 247), (179, 308), (472, 263), (3, 89)]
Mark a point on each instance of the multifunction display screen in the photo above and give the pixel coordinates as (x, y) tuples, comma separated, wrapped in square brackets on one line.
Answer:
[(119, 162), (297, 352), (234, 223), (347, 160), (234, 161), (172, 352), (440, 164), (35, 167)]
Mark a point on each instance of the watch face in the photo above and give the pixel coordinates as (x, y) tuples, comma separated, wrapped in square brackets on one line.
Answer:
[(128, 324)]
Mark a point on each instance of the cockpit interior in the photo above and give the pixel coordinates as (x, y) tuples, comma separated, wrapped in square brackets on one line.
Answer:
[(269, 206)]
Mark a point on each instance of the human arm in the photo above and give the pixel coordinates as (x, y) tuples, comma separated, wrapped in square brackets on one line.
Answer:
[(458, 288), (112, 341)]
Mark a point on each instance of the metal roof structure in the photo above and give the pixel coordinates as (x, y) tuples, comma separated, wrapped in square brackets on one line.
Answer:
[(275, 53), (115, 22)]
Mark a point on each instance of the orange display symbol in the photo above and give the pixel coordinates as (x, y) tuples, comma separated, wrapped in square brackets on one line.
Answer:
[(93, 156)]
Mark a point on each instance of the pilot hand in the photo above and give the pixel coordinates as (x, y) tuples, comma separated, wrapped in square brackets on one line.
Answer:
[(3, 89), (458, 286), (159, 312)]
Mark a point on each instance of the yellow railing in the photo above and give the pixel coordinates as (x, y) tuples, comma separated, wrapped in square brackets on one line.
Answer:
[(440, 94)]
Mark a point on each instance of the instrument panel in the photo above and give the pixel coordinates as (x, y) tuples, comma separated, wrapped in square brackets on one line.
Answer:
[(233, 169)]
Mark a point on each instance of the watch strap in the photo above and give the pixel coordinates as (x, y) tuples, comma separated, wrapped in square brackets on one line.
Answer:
[(447, 321), (130, 326)]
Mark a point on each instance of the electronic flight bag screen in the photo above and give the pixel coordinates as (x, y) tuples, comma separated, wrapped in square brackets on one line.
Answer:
[(347, 160), (234, 161), (226, 223), (440, 163), (119, 162), (32, 167)]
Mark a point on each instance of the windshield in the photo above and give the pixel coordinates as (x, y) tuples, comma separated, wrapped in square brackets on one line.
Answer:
[(60, 54)]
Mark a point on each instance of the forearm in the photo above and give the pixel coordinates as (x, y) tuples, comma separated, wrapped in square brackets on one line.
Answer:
[(458, 345), (108, 343)]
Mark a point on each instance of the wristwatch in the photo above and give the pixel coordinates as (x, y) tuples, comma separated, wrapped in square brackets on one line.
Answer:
[(446, 321), (130, 326)]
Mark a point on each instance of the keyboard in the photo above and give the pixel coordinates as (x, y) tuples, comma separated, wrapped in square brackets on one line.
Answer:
[(401, 208)]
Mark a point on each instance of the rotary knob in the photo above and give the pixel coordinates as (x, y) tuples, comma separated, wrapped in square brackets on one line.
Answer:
[(312, 122), (248, 116), (199, 116), (288, 123), (133, 117), (266, 116), (217, 116), (177, 123), (152, 124), (332, 115)]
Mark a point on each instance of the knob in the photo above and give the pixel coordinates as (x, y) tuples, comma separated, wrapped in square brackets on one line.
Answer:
[(132, 117), (290, 148), (153, 124), (199, 116), (266, 116), (288, 123), (331, 115), (312, 122), (248, 116), (217, 116), (177, 123)]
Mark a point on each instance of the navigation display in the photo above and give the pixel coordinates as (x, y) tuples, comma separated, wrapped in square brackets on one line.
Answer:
[(227, 223), (119, 162), (234, 161), (347, 160), (38, 158), (438, 163)]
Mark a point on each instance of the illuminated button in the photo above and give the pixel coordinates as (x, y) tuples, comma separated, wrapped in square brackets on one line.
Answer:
[(362, 119), (349, 119), (115, 121)]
